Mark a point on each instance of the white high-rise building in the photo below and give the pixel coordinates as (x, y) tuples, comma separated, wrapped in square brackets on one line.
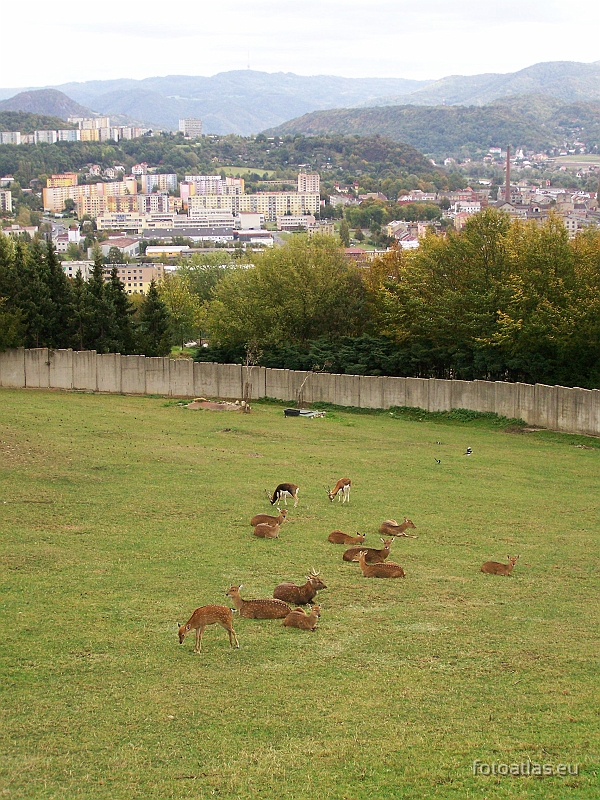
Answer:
[(309, 182), (191, 128)]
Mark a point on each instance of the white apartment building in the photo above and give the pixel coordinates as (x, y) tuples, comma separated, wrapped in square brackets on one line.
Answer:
[(156, 203), (10, 137), (290, 223), (89, 123), (309, 182), (191, 127), (71, 268), (159, 183), (6, 200), (120, 221), (68, 135), (45, 137), (211, 218)]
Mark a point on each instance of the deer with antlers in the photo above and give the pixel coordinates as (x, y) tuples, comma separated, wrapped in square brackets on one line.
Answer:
[(339, 537), (300, 595), (341, 490), (387, 570), (257, 609), (372, 554), (391, 528), (282, 492), (299, 619), (208, 615)]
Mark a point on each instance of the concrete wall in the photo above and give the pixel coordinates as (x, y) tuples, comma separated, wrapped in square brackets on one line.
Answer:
[(554, 407)]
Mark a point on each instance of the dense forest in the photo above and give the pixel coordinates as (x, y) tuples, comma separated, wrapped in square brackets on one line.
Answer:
[(26, 122)]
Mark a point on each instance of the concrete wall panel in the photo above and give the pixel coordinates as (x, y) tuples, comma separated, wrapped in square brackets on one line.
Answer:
[(258, 380), (347, 390), (85, 371), (584, 410), (486, 396), (417, 393), (525, 404), (12, 368), (595, 412), (61, 369), (546, 408), (133, 374), (506, 399), (108, 373), (230, 381), (464, 395), (566, 409), (371, 391), (394, 392), (440, 395), (276, 384), (181, 379), (295, 379), (158, 372), (37, 368), (206, 379)]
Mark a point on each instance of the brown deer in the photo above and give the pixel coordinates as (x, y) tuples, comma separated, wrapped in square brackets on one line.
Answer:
[(300, 595), (339, 537), (341, 490), (257, 609), (208, 615), (282, 492), (391, 528), (264, 531), (306, 622), (267, 519), (387, 570), (496, 568), (373, 555)]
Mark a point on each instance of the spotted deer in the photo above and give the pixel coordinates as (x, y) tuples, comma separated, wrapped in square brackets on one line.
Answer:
[(496, 568), (341, 490), (208, 615), (387, 570), (300, 595), (306, 622), (257, 609), (391, 528), (339, 537), (282, 492), (372, 554), (267, 519)]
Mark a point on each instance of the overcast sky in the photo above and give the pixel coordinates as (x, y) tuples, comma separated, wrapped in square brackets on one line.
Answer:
[(46, 43)]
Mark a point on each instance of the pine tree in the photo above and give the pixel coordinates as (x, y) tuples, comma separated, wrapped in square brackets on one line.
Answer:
[(32, 295), (124, 330), (80, 308), (154, 325), (101, 329), (60, 294)]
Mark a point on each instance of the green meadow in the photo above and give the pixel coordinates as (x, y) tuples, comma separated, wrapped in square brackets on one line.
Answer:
[(120, 515)]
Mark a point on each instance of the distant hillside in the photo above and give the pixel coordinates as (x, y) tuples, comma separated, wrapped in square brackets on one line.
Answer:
[(531, 121), (28, 123), (48, 102), (569, 81)]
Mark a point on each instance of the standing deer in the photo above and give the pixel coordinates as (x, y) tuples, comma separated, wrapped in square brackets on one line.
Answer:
[(300, 595), (208, 615), (282, 492), (257, 609), (387, 570), (391, 528), (341, 489), (267, 519), (306, 622), (496, 568), (264, 531), (372, 555), (339, 537)]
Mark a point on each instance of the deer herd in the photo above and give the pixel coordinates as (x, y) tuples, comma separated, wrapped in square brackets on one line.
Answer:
[(372, 562)]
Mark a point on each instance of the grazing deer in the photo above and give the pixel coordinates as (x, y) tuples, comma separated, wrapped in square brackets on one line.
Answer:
[(339, 537), (301, 595), (387, 570), (306, 622), (372, 555), (391, 528), (208, 615), (341, 489), (264, 531), (496, 568), (267, 519), (282, 492), (257, 609)]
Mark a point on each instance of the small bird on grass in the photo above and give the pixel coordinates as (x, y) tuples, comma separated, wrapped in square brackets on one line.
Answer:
[(438, 461), (468, 451)]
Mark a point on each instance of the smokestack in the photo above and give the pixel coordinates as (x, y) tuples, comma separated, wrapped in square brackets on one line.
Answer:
[(507, 188)]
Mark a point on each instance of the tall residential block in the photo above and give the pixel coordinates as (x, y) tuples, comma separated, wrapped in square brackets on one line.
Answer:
[(6, 200), (159, 183), (191, 128), (309, 182)]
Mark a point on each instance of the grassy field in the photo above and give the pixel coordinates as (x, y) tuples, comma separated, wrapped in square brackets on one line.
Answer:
[(120, 515)]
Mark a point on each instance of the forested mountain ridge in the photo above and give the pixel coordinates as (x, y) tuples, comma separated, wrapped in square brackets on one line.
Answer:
[(47, 102), (25, 122)]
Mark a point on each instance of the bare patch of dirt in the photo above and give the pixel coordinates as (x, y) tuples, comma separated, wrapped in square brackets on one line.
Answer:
[(210, 406)]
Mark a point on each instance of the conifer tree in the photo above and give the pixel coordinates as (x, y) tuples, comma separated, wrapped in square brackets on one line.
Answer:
[(32, 294), (60, 294), (100, 330), (154, 325), (125, 340), (80, 308)]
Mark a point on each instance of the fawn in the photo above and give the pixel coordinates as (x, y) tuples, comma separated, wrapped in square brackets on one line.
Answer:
[(496, 568), (208, 615), (264, 531), (306, 622)]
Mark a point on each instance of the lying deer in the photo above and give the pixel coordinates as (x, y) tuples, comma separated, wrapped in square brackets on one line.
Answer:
[(282, 492), (496, 568), (208, 615), (267, 519), (339, 537), (306, 622), (391, 528), (387, 570), (301, 595), (372, 555), (341, 490), (264, 531), (257, 609)]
